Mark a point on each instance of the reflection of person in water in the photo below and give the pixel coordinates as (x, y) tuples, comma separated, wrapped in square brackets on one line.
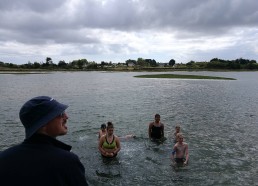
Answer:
[(156, 129), (102, 130), (109, 144)]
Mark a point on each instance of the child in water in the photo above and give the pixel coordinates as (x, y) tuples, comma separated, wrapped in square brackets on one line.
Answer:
[(177, 131), (102, 130), (180, 153)]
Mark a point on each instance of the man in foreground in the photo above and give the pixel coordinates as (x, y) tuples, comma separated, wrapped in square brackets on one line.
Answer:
[(41, 159)]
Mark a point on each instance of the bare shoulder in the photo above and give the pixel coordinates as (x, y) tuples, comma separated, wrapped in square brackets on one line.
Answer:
[(102, 138), (100, 132), (176, 145), (185, 144), (116, 138)]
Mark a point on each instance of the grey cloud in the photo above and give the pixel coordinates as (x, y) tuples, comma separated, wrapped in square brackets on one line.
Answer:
[(74, 22), (194, 16), (145, 13), (30, 5), (202, 15)]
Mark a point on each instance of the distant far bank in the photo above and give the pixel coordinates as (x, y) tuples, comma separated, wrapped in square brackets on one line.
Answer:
[(140, 64), (151, 69)]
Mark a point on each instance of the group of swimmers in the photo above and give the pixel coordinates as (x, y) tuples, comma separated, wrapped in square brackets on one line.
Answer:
[(109, 144)]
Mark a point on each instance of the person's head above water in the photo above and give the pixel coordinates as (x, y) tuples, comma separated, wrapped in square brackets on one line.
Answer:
[(103, 126), (157, 118), (177, 128)]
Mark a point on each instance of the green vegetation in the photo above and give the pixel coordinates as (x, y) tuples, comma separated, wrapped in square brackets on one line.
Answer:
[(181, 76), (132, 65), (23, 72)]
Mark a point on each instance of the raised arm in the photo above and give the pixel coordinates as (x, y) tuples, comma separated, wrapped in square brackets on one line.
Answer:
[(99, 135)]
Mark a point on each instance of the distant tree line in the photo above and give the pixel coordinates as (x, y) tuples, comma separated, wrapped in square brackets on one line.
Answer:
[(84, 64), (216, 63), (148, 62), (75, 64)]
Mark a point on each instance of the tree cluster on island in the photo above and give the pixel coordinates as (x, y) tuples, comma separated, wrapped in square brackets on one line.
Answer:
[(130, 64)]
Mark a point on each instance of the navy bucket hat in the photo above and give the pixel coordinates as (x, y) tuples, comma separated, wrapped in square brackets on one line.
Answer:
[(38, 111)]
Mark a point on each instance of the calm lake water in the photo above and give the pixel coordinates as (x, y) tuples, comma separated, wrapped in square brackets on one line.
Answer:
[(218, 118)]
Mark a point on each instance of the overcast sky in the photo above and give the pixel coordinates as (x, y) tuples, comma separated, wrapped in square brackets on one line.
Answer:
[(117, 30)]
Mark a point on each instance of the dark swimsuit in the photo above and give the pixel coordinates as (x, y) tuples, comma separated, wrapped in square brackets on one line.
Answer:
[(180, 160), (156, 132)]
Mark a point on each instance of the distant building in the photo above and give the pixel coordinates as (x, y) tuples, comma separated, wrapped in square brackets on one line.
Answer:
[(131, 64), (163, 64)]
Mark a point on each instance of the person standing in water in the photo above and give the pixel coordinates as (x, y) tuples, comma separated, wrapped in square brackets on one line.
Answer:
[(156, 129), (180, 153), (177, 131), (109, 144), (103, 130)]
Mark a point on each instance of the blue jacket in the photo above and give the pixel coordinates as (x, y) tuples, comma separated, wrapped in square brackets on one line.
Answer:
[(41, 161)]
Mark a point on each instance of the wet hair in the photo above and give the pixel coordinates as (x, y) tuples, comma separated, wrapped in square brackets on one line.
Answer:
[(110, 125), (178, 126), (103, 126), (157, 115), (179, 135)]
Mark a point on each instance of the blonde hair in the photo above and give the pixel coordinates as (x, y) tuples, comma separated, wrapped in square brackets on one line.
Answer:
[(179, 135), (178, 126)]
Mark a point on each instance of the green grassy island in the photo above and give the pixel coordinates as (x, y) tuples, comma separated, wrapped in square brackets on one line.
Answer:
[(181, 76)]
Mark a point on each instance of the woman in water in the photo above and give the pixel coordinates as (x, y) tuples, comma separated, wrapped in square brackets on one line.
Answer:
[(109, 144), (156, 129)]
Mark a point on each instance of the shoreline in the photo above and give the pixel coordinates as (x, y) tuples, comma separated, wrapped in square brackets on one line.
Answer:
[(48, 71)]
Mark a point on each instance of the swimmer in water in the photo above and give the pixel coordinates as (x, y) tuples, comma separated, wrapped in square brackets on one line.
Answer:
[(128, 136), (180, 153), (156, 129), (102, 130), (109, 144), (177, 130)]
